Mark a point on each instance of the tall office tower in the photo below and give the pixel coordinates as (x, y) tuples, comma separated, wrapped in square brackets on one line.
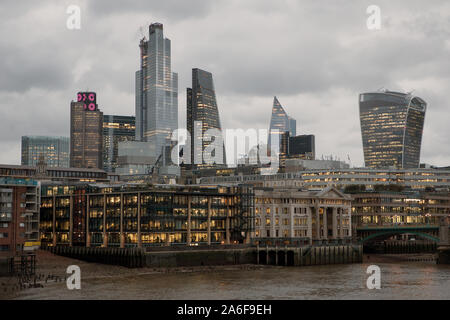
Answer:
[(115, 129), (86, 132), (156, 91), (202, 106), (280, 121), (55, 151), (391, 127)]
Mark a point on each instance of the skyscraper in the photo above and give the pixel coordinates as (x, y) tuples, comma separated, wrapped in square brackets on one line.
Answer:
[(156, 91), (54, 149), (86, 128), (280, 121), (202, 106), (115, 129), (391, 127)]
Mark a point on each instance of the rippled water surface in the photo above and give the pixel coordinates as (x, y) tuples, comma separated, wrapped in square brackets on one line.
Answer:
[(404, 280)]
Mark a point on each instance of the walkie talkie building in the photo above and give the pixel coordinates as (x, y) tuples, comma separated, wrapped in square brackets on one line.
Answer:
[(391, 127)]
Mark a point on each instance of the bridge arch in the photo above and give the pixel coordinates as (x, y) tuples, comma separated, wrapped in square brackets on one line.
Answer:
[(391, 233)]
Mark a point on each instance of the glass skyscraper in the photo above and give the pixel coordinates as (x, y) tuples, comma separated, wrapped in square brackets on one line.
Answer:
[(202, 106), (115, 129), (55, 151), (280, 121), (391, 126), (156, 91)]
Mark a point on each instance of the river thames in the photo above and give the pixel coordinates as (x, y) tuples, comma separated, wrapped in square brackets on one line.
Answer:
[(400, 280)]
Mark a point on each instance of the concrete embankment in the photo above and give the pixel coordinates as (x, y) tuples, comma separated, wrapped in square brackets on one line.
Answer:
[(409, 246), (443, 255), (399, 258), (310, 255), (400, 247), (209, 256), (5, 266), (127, 257)]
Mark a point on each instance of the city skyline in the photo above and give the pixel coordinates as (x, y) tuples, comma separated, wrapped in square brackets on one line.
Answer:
[(317, 94)]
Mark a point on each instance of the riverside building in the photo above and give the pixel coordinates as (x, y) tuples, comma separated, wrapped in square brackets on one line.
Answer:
[(126, 216), (19, 215), (415, 211), (295, 216)]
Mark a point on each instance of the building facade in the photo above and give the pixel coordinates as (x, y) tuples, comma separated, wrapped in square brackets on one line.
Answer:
[(202, 115), (396, 210), (86, 132), (391, 126), (156, 91), (55, 150), (415, 179), (116, 129), (280, 122), (139, 217), (302, 147), (19, 215), (43, 173), (290, 215), (297, 147)]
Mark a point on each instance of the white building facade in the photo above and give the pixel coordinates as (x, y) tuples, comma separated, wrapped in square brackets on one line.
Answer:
[(294, 216)]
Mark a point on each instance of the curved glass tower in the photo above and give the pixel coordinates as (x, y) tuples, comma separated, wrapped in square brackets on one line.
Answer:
[(391, 127)]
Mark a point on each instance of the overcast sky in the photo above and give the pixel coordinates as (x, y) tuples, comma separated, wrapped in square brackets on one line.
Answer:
[(315, 56)]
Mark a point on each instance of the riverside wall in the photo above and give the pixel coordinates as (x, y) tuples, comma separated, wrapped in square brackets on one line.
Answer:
[(187, 257)]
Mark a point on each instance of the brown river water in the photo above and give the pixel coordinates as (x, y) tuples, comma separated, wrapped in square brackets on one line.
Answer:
[(399, 280)]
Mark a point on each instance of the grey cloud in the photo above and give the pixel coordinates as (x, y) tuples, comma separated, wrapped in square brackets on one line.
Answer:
[(26, 68), (316, 56), (167, 9)]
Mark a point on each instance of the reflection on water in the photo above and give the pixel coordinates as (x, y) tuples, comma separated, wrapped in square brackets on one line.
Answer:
[(404, 280)]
